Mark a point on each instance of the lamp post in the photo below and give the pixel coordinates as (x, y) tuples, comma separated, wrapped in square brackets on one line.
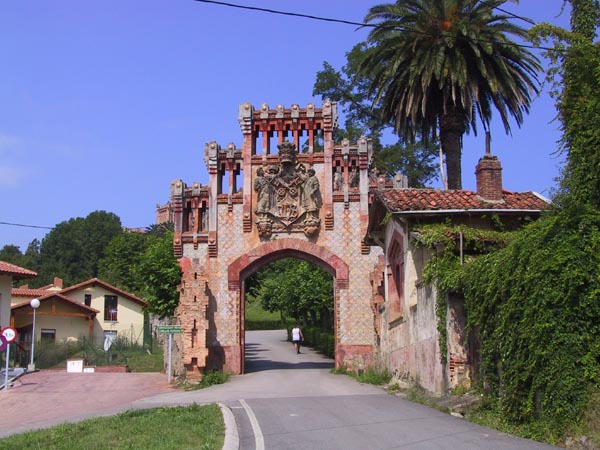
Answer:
[(35, 304)]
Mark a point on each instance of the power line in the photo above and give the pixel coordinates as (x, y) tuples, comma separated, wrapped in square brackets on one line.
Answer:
[(25, 226), (286, 13), (516, 16), (367, 25)]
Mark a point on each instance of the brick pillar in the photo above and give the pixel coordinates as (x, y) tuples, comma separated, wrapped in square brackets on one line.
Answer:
[(191, 315)]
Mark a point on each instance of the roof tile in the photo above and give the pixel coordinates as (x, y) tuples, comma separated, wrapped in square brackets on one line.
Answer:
[(28, 292), (399, 200), (16, 271)]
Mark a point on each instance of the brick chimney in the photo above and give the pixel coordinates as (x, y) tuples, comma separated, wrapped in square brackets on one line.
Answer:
[(489, 175), (58, 282)]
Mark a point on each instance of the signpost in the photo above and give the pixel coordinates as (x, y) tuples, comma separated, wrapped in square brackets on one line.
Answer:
[(9, 335), (170, 330)]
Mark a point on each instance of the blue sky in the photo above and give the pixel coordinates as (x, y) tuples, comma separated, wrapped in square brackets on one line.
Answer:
[(104, 102)]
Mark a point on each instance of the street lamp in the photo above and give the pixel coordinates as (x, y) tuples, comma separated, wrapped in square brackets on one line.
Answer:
[(35, 304)]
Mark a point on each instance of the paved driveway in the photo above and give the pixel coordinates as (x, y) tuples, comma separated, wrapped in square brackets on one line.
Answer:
[(46, 398), (293, 402)]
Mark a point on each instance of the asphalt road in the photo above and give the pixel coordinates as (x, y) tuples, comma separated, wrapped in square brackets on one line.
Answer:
[(289, 401), (284, 401)]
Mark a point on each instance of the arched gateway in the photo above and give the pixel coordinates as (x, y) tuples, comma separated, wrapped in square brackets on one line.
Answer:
[(299, 195)]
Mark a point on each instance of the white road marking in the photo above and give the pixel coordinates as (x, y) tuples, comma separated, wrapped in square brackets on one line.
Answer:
[(259, 439)]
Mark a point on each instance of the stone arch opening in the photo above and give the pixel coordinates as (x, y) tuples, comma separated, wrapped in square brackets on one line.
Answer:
[(254, 260)]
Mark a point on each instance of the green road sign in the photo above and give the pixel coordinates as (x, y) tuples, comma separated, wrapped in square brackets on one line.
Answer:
[(169, 329)]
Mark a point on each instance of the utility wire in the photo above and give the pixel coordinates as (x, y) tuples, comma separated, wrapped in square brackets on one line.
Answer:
[(362, 24), (26, 226), (516, 16), (285, 13)]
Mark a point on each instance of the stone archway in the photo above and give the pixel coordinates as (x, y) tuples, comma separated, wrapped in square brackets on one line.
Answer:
[(250, 262), (302, 199)]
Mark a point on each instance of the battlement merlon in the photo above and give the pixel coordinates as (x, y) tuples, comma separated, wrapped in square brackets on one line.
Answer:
[(288, 123)]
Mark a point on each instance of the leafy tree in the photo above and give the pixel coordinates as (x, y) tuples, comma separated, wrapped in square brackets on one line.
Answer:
[(437, 65), (350, 91), (73, 248), (159, 274), (295, 288), (31, 257), (160, 229), (122, 256), (11, 254)]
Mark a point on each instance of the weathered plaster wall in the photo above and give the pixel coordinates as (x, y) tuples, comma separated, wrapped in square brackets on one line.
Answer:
[(409, 344)]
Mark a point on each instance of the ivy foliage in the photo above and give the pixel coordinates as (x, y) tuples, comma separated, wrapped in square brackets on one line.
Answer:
[(536, 305), (533, 297), (446, 270)]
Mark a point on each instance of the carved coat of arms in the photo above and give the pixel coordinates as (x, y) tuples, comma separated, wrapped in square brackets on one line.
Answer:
[(288, 196)]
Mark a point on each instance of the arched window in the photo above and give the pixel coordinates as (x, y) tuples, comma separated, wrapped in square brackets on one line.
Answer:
[(396, 276)]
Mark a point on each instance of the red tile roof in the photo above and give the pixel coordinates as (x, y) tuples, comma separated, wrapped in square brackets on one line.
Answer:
[(431, 200), (104, 284), (16, 271), (28, 292)]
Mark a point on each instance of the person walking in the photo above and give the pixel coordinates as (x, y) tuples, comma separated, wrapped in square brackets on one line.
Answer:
[(297, 337)]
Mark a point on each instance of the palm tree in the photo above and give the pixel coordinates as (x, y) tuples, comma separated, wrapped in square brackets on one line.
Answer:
[(440, 64)]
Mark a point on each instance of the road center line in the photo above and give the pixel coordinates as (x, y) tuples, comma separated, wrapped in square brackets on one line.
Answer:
[(258, 436)]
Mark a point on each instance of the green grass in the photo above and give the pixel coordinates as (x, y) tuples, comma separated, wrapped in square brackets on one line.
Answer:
[(55, 355), (144, 361), (197, 427), (137, 360), (369, 376), (258, 318), (256, 313), (209, 379), (589, 425)]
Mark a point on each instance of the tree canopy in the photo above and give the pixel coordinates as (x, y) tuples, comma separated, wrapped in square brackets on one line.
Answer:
[(436, 66), (295, 288), (72, 249), (350, 91)]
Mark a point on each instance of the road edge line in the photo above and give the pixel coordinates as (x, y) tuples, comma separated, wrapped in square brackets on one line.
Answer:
[(232, 437), (259, 439)]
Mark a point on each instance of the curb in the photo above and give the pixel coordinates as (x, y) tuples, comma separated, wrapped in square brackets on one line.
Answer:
[(232, 438)]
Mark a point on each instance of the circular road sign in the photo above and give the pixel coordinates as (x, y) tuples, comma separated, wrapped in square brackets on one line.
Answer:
[(9, 333), (3, 343)]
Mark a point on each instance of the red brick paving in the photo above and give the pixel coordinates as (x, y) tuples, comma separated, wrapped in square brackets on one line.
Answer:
[(46, 398)]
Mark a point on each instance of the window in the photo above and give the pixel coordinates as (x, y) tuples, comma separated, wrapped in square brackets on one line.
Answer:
[(110, 308), (395, 273), (48, 335), (88, 299)]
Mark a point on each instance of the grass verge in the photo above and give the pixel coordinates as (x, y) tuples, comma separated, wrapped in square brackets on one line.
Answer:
[(209, 379), (369, 376), (198, 427), (258, 318)]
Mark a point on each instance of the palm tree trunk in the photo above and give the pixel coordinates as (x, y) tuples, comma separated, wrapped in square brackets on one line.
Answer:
[(452, 128)]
